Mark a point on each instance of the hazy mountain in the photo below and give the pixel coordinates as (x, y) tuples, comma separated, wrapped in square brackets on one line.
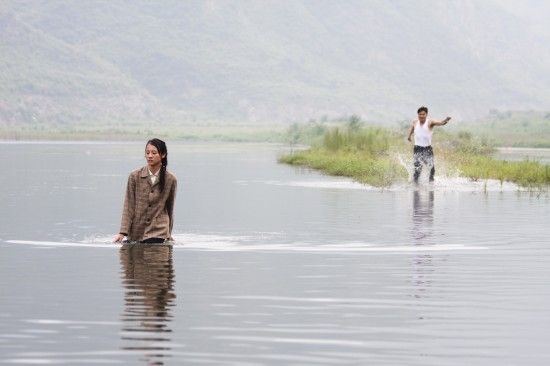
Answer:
[(268, 61)]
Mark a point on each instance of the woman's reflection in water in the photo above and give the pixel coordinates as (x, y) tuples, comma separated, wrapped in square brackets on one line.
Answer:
[(148, 278), (422, 232)]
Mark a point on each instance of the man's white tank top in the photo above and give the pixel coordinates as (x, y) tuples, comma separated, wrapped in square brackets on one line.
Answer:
[(422, 133)]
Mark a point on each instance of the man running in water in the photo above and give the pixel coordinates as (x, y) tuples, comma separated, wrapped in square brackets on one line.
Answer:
[(422, 128)]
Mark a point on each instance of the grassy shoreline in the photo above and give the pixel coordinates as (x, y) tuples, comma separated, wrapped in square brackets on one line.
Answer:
[(235, 133), (370, 155)]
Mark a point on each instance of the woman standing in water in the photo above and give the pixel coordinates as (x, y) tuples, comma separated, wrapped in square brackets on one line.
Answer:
[(148, 214)]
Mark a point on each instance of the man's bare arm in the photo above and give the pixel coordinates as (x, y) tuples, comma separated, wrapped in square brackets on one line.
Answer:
[(411, 131), (439, 123)]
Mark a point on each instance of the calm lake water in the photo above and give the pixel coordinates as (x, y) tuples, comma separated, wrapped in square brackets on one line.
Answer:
[(272, 265)]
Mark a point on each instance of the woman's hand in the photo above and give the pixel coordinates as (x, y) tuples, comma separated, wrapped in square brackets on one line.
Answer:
[(118, 238)]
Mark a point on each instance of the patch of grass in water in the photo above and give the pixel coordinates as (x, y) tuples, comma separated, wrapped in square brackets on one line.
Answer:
[(530, 174), (363, 154), (368, 155)]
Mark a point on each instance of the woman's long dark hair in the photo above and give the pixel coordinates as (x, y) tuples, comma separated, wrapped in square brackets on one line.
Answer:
[(162, 150)]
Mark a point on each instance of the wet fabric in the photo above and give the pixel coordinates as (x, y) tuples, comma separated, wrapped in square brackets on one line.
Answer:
[(422, 133), (423, 155), (153, 241), (148, 211)]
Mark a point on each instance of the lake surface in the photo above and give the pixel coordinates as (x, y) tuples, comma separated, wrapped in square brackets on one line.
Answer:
[(272, 265)]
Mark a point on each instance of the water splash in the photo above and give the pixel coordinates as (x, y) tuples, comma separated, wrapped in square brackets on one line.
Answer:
[(442, 183), (450, 180), (255, 243), (406, 163)]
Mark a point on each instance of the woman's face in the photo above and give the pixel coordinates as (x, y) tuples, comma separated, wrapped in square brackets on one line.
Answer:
[(152, 156)]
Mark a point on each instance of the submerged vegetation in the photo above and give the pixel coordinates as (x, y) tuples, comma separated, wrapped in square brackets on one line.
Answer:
[(525, 173), (372, 155), (361, 153)]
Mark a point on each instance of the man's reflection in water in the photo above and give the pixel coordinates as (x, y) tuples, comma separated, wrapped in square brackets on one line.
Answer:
[(422, 231), (148, 277), (423, 212)]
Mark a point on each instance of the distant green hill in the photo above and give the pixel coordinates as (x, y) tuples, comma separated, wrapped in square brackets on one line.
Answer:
[(138, 62)]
